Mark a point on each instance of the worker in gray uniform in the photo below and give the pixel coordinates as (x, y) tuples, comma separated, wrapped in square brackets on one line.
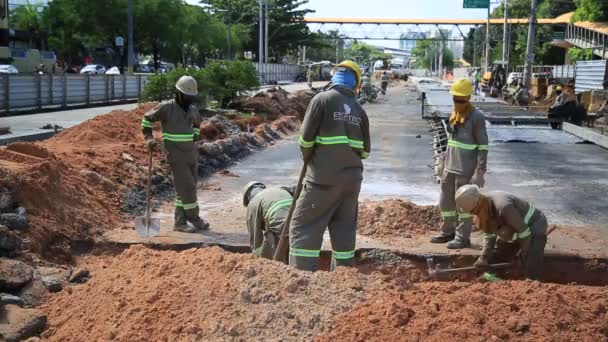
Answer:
[(334, 138), (180, 121), (267, 210), (464, 163), (511, 225)]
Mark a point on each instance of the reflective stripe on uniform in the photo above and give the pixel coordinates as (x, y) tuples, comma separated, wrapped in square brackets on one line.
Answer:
[(186, 206), (449, 214), (276, 206), (364, 155), (258, 251), (197, 131), (178, 137), (339, 139), (344, 255), (527, 218), (469, 147), (306, 144), (489, 235), (465, 215), (529, 214), (523, 234), (146, 123), (307, 253)]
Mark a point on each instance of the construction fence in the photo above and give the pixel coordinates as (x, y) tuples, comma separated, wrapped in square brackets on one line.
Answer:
[(33, 92), (271, 73)]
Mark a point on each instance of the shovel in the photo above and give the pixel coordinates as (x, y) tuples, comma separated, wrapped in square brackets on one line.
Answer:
[(146, 226)]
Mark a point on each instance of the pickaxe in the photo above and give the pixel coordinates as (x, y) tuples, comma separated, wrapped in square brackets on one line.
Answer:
[(435, 272)]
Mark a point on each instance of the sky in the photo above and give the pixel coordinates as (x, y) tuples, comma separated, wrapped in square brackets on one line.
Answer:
[(392, 9)]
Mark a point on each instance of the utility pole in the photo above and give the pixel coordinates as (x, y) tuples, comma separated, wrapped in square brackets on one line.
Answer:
[(488, 40), (441, 58), (505, 43), (131, 48), (266, 33), (530, 47), (229, 32), (260, 43)]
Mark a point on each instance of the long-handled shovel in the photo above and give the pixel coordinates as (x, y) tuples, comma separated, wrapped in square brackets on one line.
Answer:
[(147, 226), (282, 251)]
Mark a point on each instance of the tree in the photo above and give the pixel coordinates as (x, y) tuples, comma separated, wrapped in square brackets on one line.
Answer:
[(591, 10), (426, 51), (362, 52), (324, 47), (28, 18)]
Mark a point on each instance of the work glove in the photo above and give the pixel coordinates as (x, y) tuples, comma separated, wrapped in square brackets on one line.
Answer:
[(482, 261), (152, 144), (524, 247), (479, 178)]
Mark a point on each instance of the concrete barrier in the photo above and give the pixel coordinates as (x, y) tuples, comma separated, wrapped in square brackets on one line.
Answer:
[(587, 134)]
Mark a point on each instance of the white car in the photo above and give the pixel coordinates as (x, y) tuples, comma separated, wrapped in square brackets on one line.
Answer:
[(8, 69), (514, 77), (113, 71), (93, 69)]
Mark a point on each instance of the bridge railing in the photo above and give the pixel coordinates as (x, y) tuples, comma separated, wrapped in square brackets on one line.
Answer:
[(585, 38)]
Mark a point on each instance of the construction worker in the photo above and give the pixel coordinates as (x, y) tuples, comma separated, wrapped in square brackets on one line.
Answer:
[(561, 98), (309, 76), (334, 138), (267, 210), (384, 82), (511, 226), (465, 162), (180, 121)]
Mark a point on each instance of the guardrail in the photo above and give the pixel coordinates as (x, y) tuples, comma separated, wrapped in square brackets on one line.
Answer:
[(18, 92)]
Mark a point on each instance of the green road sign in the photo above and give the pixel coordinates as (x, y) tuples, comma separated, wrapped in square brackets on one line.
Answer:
[(476, 4)]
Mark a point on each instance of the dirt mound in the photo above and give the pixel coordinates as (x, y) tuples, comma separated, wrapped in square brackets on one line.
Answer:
[(513, 311), (275, 102), (199, 295), (396, 217)]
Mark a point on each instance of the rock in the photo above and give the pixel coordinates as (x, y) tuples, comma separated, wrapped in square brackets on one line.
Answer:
[(53, 278), (292, 286), (14, 221), (246, 296), (19, 324), (34, 293), (128, 157), (6, 299), (518, 324), (157, 179), (95, 178), (80, 276), (14, 274), (6, 201), (9, 241)]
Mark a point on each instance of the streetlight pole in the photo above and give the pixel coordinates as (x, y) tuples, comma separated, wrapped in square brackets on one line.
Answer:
[(505, 44), (488, 40), (530, 47), (131, 48), (260, 42), (266, 33), (229, 32)]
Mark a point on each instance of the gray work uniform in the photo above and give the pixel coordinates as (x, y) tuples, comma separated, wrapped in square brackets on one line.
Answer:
[(266, 214), (467, 150), (510, 215), (334, 137), (180, 130)]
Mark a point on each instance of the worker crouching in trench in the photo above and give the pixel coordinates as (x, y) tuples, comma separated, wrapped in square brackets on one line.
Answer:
[(512, 226)]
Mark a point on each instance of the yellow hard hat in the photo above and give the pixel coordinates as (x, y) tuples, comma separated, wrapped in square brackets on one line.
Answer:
[(462, 87), (354, 67), (558, 88)]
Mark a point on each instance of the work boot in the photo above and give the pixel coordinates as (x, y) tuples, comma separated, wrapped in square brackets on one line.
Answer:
[(184, 228), (459, 243), (200, 224), (442, 238)]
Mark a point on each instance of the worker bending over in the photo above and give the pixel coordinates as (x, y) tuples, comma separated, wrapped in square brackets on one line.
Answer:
[(511, 225), (267, 210), (334, 138), (465, 162), (180, 121)]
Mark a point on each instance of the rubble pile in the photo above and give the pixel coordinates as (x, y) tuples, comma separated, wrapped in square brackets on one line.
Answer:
[(397, 217), (276, 102)]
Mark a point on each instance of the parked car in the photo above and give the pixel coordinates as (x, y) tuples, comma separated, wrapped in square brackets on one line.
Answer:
[(8, 69), (93, 69), (143, 68), (514, 77), (113, 71)]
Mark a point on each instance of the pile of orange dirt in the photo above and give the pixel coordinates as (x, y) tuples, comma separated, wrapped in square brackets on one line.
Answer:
[(110, 144), (397, 218), (503, 311), (200, 295), (276, 102), (63, 203)]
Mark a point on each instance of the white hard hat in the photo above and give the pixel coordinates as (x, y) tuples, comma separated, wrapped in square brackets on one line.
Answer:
[(187, 85), (467, 197), (247, 191)]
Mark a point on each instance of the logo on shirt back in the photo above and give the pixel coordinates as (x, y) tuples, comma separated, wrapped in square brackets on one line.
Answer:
[(345, 116)]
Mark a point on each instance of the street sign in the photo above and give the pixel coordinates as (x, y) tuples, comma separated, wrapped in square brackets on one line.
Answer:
[(530, 58), (476, 4), (120, 41)]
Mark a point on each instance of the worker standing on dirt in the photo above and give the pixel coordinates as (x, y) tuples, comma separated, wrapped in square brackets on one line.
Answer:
[(267, 210), (465, 162), (334, 138), (511, 226), (180, 121)]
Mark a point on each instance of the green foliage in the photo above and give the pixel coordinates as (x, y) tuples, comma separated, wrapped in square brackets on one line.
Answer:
[(591, 10), (363, 53), (324, 47), (576, 54), (426, 51), (27, 17), (222, 80)]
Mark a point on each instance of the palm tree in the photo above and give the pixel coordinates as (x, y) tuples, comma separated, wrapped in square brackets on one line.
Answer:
[(28, 18)]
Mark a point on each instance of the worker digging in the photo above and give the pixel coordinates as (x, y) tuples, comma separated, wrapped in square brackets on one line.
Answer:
[(180, 122), (464, 163)]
